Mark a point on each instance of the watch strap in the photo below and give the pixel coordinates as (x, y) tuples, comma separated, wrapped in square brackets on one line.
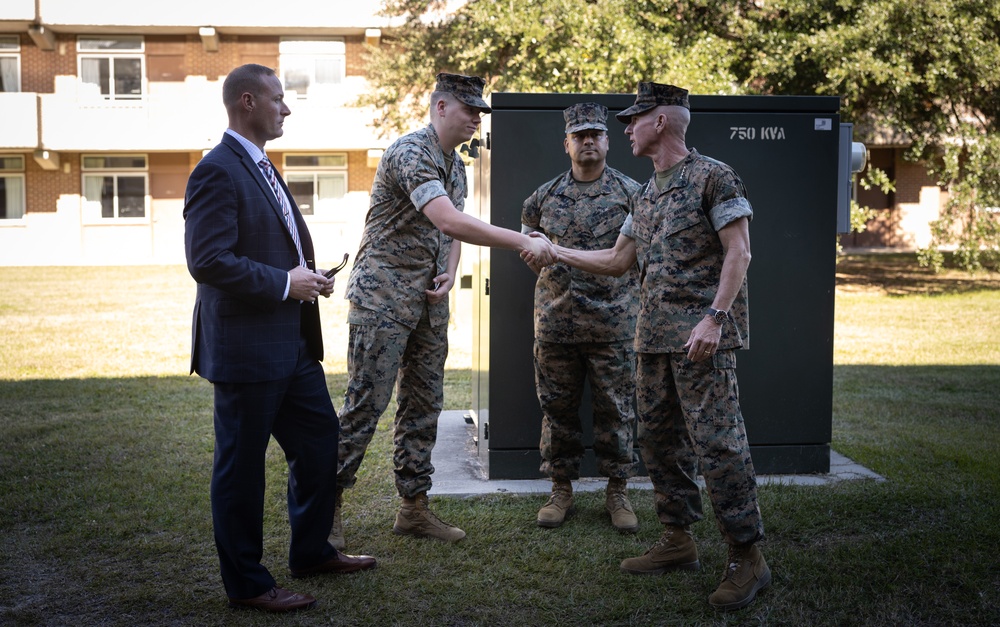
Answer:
[(718, 316)]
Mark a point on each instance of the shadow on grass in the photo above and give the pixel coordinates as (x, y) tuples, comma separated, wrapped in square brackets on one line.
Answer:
[(932, 428), (105, 520), (899, 274)]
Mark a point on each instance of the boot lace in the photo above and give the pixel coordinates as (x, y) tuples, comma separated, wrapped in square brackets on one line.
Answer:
[(433, 521), (617, 500), (664, 540), (559, 493), (736, 561)]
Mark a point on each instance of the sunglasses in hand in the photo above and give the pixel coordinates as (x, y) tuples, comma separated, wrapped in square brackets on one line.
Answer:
[(329, 273)]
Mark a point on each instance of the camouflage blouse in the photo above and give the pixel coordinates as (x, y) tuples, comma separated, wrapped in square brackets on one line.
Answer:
[(573, 306), (401, 250), (680, 255)]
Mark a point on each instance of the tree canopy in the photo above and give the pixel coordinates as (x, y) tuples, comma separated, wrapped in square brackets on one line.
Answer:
[(923, 75)]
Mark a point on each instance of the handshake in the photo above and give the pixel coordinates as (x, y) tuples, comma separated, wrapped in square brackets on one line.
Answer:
[(539, 252)]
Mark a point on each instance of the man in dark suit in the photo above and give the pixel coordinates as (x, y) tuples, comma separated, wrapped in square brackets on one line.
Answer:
[(257, 338)]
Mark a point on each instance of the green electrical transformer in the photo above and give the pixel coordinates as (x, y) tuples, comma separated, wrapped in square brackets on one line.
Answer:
[(796, 159)]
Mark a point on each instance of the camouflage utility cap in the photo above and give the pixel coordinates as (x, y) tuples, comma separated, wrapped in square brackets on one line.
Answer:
[(467, 89), (586, 115), (652, 95)]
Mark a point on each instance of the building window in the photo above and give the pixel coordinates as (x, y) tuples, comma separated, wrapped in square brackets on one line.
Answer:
[(10, 63), (312, 66), (115, 65), (11, 187), (317, 182), (115, 186)]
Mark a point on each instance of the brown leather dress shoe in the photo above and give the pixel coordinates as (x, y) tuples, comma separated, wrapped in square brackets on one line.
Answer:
[(338, 565), (276, 600)]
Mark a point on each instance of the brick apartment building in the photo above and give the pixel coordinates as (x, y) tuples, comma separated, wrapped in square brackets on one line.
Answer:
[(903, 216), (108, 105)]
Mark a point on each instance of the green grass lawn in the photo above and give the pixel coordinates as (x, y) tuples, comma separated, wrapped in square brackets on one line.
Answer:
[(107, 449)]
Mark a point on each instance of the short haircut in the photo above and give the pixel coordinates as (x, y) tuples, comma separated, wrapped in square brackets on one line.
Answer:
[(438, 95), (677, 117), (245, 78)]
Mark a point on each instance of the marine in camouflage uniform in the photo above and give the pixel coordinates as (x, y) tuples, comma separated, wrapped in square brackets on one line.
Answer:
[(689, 233), (398, 292), (395, 330), (674, 229), (584, 323)]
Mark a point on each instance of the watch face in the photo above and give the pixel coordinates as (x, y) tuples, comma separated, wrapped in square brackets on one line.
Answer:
[(720, 317)]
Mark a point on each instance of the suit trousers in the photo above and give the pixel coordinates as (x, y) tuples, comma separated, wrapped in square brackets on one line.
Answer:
[(298, 412)]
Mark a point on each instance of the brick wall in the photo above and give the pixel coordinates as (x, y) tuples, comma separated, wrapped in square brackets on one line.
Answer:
[(355, 53), (40, 67), (213, 65), (44, 187), (359, 175), (902, 216), (910, 178)]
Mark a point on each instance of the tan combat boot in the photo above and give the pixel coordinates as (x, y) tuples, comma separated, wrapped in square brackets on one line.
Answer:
[(337, 530), (616, 501), (675, 550), (415, 519), (559, 505), (746, 574)]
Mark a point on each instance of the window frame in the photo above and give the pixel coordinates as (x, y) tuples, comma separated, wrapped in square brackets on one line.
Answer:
[(13, 52), (93, 211), (17, 173), (311, 50), (320, 208), (112, 56)]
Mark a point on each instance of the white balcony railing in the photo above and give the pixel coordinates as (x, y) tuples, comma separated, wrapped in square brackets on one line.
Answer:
[(188, 116), (20, 127), (18, 10)]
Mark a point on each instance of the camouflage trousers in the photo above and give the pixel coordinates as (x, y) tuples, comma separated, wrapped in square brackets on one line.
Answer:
[(379, 350), (560, 373), (689, 415)]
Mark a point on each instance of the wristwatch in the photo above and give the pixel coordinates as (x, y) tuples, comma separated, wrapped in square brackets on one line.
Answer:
[(718, 316)]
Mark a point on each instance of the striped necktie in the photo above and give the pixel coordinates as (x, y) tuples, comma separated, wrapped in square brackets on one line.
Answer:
[(272, 178)]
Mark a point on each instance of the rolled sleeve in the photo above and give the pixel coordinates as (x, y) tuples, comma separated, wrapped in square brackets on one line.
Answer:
[(626, 229), (427, 192), (729, 211)]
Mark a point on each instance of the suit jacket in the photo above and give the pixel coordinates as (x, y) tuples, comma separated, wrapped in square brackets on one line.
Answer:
[(239, 251)]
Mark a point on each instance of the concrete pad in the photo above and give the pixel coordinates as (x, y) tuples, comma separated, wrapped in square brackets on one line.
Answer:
[(458, 471)]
